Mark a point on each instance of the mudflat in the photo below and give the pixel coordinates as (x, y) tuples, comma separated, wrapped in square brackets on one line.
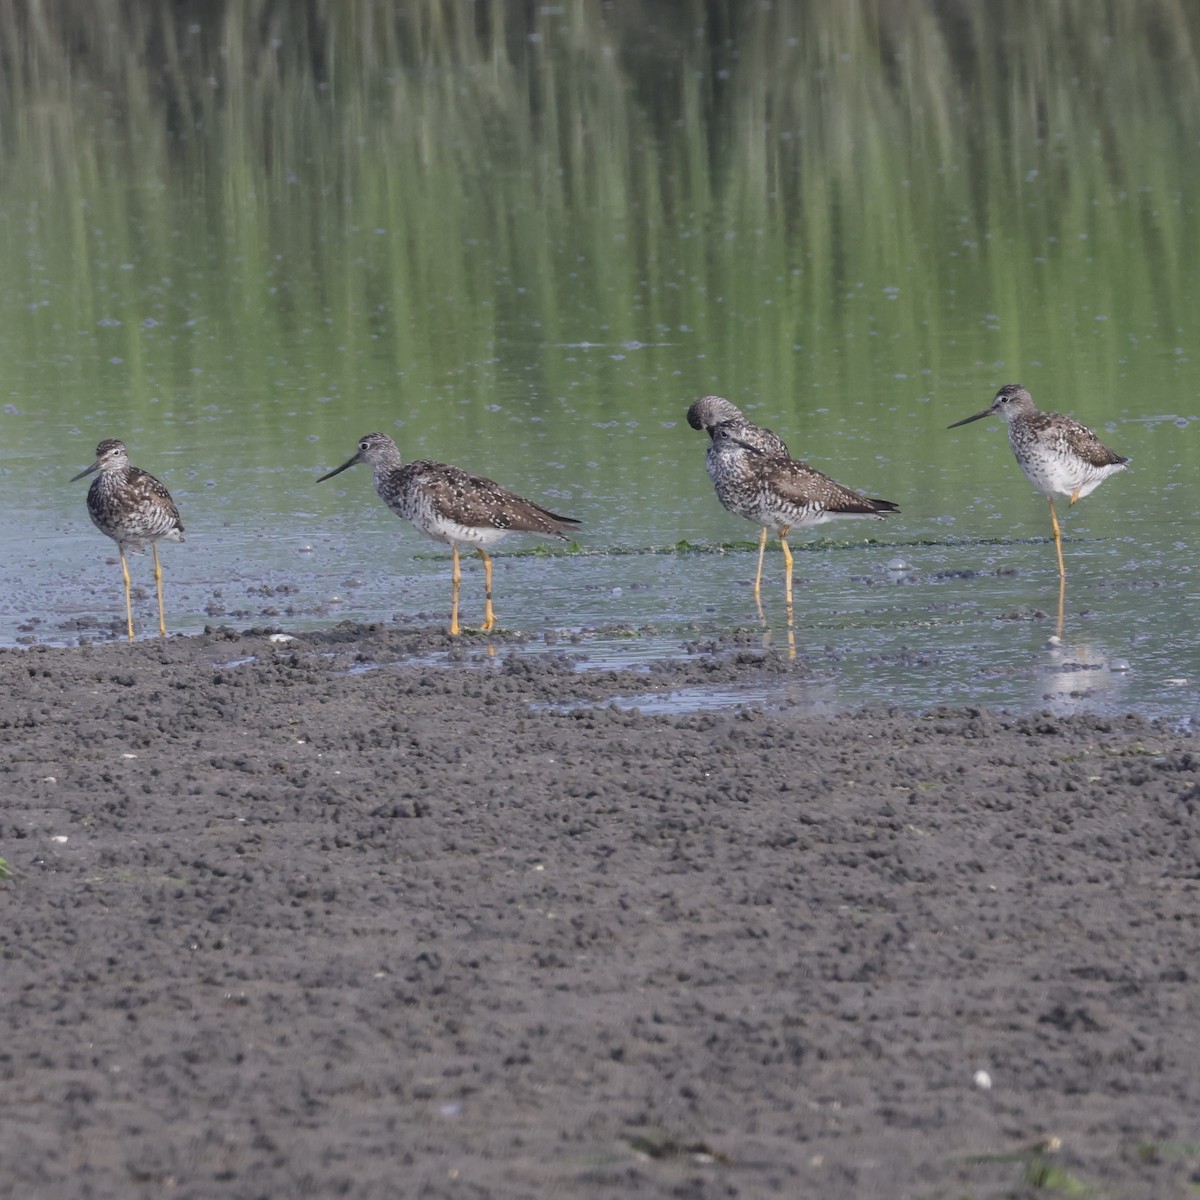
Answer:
[(366, 913)]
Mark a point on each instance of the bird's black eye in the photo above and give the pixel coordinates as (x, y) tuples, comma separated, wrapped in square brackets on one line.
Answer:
[(363, 445)]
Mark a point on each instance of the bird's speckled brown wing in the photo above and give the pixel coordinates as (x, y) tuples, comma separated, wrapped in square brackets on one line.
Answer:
[(152, 494), (804, 486), (479, 502), (1077, 439)]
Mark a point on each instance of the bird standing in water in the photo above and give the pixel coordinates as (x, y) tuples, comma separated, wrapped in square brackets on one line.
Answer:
[(453, 506), (1059, 456), (756, 477), (130, 506)]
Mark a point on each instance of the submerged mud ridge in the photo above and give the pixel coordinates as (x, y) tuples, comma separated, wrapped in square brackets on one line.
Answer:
[(281, 925)]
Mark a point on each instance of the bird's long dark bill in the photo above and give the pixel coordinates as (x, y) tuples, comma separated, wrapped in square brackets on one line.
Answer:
[(338, 470), (86, 471), (987, 412)]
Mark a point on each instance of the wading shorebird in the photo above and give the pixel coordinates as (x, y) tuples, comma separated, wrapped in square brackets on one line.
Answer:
[(453, 506), (756, 477), (130, 506), (1059, 456)]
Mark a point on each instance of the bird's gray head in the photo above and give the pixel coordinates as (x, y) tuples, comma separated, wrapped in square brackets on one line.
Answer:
[(377, 449), (1011, 401), (736, 437), (709, 411), (111, 455)]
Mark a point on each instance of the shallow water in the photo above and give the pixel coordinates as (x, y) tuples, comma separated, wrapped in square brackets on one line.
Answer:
[(964, 623), (770, 207)]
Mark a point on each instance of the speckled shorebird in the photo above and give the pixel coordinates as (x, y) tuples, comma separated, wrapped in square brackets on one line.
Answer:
[(135, 510), (756, 477), (1059, 456), (451, 505), (710, 411)]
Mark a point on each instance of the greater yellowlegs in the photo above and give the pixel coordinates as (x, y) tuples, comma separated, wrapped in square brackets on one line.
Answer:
[(1059, 456), (756, 478), (451, 505), (707, 413), (130, 506)]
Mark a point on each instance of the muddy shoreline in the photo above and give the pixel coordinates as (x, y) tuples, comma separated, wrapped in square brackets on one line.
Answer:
[(308, 917)]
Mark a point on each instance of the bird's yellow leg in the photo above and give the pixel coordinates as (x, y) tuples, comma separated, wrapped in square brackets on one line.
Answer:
[(1074, 495), (162, 620), (489, 617), (1062, 571), (128, 596), (787, 562), (762, 549), (787, 591), (1062, 600), (455, 580)]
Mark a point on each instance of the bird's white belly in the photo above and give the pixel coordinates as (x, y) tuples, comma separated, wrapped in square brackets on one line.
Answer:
[(443, 530), (1063, 475), (138, 537), (768, 511)]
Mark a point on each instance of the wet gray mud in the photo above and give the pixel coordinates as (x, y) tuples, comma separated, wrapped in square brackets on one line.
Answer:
[(367, 913)]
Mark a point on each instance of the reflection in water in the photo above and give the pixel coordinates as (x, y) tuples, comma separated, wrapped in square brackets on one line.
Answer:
[(435, 237), (768, 632), (1078, 678)]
